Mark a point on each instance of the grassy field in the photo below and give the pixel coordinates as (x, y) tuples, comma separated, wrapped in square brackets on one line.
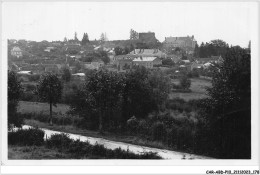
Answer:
[(35, 153), (198, 88), (36, 107)]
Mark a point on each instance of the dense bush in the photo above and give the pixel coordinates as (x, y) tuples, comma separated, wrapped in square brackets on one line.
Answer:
[(132, 124), (30, 87), (57, 119), (113, 98), (168, 62), (67, 96), (195, 73), (84, 149), (143, 127), (29, 96), (27, 137), (158, 131), (185, 82), (58, 141), (175, 130), (172, 136), (181, 105), (34, 77), (14, 94)]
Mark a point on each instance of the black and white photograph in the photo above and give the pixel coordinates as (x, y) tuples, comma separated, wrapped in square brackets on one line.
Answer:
[(120, 81)]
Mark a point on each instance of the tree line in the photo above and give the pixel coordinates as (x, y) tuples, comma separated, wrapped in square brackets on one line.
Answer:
[(112, 101), (113, 98), (213, 48)]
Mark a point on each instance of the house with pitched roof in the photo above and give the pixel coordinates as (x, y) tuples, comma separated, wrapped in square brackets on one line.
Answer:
[(49, 49), (148, 53), (147, 62), (17, 52), (116, 58), (124, 62), (212, 59)]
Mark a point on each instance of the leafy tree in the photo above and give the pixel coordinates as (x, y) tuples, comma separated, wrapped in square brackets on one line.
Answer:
[(14, 94), (113, 98), (202, 50), (119, 50), (133, 35), (184, 57), (196, 51), (75, 37), (66, 76), (50, 89), (185, 82), (100, 54), (219, 43), (126, 50), (103, 56), (177, 49), (131, 48), (231, 83), (85, 39), (213, 48), (137, 95), (160, 86), (227, 111), (103, 37), (103, 90), (77, 66), (168, 61)]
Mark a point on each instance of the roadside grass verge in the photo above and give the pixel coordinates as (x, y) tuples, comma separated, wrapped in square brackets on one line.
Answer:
[(16, 152), (135, 140), (57, 144)]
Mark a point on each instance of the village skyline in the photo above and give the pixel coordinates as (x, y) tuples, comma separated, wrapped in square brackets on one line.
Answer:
[(120, 81), (53, 21)]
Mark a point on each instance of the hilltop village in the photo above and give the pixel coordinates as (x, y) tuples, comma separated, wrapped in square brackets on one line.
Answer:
[(174, 95), (142, 49)]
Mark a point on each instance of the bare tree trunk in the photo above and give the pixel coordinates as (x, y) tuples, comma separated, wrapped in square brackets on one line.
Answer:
[(51, 113), (100, 122)]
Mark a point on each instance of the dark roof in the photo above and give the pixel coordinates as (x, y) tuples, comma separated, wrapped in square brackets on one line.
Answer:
[(125, 57), (172, 39), (215, 57), (97, 60)]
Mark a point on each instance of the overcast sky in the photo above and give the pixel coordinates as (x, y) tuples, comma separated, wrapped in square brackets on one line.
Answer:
[(50, 21)]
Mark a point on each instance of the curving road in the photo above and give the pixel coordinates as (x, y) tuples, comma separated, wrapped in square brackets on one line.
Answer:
[(165, 154)]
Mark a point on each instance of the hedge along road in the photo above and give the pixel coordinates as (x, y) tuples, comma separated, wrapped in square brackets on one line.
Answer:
[(165, 154)]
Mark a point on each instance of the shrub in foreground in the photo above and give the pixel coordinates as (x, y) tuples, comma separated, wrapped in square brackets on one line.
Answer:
[(81, 149), (158, 131), (26, 137), (58, 141), (132, 124)]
